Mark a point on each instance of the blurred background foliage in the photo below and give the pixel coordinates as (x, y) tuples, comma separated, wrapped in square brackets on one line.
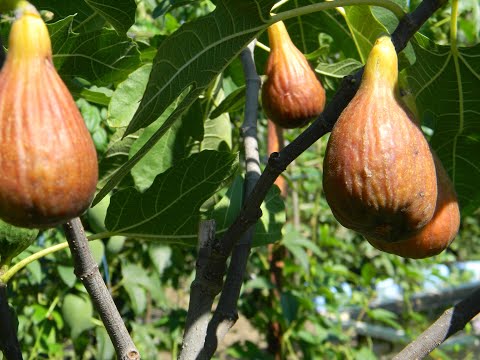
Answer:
[(339, 298)]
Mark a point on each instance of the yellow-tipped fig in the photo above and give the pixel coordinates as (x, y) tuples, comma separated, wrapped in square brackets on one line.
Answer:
[(292, 94), (48, 163), (379, 175)]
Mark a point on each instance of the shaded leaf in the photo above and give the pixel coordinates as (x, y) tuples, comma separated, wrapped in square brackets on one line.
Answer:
[(13, 240), (446, 90), (339, 69), (119, 13), (169, 209), (214, 40)]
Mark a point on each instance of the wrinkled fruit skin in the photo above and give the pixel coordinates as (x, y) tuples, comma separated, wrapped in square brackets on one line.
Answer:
[(292, 94), (379, 174), (439, 233), (48, 162)]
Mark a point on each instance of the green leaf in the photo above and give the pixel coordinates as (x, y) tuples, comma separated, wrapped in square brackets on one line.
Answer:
[(125, 99), (62, 38), (364, 27), (97, 249), (217, 130), (13, 240), (169, 209), (119, 13), (105, 349), (228, 208), (116, 154), (339, 69), (384, 316), (160, 257), (77, 312), (165, 153), (446, 90), (213, 41), (290, 306), (67, 275), (269, 229), (86, 19), (135, 282), (101, 57), (304, 30), (233, 102)]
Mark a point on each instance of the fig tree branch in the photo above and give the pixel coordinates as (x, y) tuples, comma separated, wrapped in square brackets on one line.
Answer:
[(278, 162), (86, 269), (202, 295), (9, 344), (452, 321), (226, 313)]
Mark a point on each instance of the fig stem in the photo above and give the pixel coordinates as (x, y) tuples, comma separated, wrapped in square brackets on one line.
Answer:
[(449, 323), (386, 4), (86, 270), (9, 344), (202, 295), (226, 313)]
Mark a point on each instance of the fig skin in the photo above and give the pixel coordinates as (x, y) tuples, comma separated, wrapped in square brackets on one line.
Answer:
[(292, 95), (379, 175), (48, 162), (439, 233)]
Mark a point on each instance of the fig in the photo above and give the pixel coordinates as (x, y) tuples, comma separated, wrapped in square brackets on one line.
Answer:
[(379, 175), (48, 162), (292, 95), (439, 233)]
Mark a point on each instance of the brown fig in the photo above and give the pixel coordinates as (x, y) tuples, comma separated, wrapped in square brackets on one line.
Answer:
[(292, 94), (48, 163), (439, 233), (379, 174)]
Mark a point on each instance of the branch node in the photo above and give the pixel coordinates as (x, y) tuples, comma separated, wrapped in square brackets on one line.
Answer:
[(88, 273), (275, 163)]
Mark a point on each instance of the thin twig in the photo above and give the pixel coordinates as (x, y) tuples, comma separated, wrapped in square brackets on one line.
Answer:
[(226, 313), (9, 344), (86, 269), (202, 295), (452, 321)]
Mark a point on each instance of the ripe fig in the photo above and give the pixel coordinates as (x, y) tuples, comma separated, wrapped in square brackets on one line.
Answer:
[(439, 233), (48, 162), (379, 174), (292, 94)]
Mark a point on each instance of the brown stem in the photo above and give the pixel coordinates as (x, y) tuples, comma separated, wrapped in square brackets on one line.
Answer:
[(86, 269), (202, 295), (9, 344), (225, 314), (452, 321), (276, 257)]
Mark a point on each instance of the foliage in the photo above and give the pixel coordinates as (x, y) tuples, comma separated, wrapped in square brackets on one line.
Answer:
[(162, 93)]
